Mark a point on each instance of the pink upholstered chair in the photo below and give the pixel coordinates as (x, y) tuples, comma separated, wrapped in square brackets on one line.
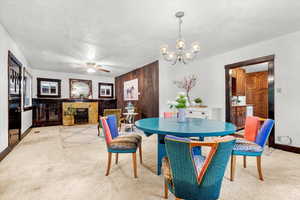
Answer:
[(168, 114)]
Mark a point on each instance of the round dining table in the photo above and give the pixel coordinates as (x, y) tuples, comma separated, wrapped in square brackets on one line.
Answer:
[(193, 127)]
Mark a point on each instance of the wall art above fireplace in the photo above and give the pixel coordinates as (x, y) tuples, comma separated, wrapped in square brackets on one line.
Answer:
[(81, 89)]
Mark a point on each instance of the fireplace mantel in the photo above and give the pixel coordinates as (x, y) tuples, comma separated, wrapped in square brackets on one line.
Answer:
[(91, 105)]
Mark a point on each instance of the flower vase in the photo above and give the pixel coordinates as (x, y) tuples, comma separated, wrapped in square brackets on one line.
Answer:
[(181, 116)]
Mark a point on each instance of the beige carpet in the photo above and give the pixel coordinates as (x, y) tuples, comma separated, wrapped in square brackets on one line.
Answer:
[(69, 163)]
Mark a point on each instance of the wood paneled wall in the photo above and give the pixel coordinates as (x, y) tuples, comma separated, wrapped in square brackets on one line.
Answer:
[(257, 92), (148, 80)]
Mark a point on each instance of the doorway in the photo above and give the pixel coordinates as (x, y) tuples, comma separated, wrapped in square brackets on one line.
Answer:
[(14, 100), (257, 98)]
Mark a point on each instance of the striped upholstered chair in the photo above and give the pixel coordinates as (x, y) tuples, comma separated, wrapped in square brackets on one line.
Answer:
[(194, 177), (119, 145), (246, 148)]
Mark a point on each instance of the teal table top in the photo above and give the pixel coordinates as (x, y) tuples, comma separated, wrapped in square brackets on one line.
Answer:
[(193, 127)]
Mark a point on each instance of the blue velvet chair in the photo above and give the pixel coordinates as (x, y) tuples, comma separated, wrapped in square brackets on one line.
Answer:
[(247, 148), (193, 177)]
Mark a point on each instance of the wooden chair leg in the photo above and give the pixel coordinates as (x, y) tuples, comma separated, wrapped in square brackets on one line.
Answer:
[(232, 168), (166, 191), (134, 164), (259, 169), (140, 152), (245, 161), (108, 163), (117, 158)]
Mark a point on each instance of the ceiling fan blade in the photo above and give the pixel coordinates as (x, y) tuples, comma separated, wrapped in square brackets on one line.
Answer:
[(102, 69)]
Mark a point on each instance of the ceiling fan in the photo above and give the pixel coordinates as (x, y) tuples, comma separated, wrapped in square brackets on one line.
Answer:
[(93, 66)]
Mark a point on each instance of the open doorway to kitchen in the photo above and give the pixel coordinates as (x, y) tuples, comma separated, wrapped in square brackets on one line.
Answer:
[(250, 84), (250, 91)]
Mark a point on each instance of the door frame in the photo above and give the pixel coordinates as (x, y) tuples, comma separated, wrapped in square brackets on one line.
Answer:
[(12, 57), (271, 98)]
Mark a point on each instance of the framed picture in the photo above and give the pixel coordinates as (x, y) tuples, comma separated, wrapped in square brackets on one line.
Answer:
[(106, 90), (131, 90), (81, 89), (50, 88), (27, 90), (14, 80)]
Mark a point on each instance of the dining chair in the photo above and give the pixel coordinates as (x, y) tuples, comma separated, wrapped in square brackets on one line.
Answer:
[(246, 148), (192, 177), (112, 124), (119, 145), (168, 114), (117, 113), (252, 125)]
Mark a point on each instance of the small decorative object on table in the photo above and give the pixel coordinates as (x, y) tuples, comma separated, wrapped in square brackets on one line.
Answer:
[(129, 107), (181, 104), (198, 101), (188, 83)]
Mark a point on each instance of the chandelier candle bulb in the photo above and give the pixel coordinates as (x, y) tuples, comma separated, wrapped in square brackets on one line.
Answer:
[(180, 44), (164, 49)]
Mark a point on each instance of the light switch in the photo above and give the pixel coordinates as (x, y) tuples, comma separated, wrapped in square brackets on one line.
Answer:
[(278, 90)]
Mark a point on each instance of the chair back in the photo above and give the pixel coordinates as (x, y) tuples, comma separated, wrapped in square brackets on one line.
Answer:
[(264, 132), (184, 172), (168, 114), (112, 124), (251, 128), (116, 112), (106, 130)]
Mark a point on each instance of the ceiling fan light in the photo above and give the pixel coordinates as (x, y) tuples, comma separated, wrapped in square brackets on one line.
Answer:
[(91, 70)]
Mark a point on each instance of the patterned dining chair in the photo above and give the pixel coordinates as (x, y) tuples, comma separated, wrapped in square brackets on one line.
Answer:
[(245, 148), (194, 177), (117, 113), (119, 145), (112, 124)]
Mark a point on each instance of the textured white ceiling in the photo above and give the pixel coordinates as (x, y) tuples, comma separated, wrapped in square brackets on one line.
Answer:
[(125, 34)]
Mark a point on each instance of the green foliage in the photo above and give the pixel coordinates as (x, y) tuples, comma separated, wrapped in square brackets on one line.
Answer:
[(198, 100), (181, 101), (70, 111)]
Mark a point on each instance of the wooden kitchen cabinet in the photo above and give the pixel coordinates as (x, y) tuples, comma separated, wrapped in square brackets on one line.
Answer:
[(238, 116), (240, 82)]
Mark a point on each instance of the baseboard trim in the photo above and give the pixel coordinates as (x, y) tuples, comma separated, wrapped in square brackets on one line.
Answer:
[(26, 132), (286, 148), (8, 149), (4, 153)]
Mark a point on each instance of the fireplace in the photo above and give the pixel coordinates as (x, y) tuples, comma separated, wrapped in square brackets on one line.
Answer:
[(81, 116), (90, 107)]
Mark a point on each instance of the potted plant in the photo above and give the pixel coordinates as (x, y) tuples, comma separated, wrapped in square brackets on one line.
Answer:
[(69, 116), (181, 104)]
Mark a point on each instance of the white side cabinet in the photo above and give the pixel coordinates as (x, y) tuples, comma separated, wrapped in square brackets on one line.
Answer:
[(204, 113)]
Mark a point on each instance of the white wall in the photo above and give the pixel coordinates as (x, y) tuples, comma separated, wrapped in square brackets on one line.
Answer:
[(65, 81), (211, 86), (6, 44)]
